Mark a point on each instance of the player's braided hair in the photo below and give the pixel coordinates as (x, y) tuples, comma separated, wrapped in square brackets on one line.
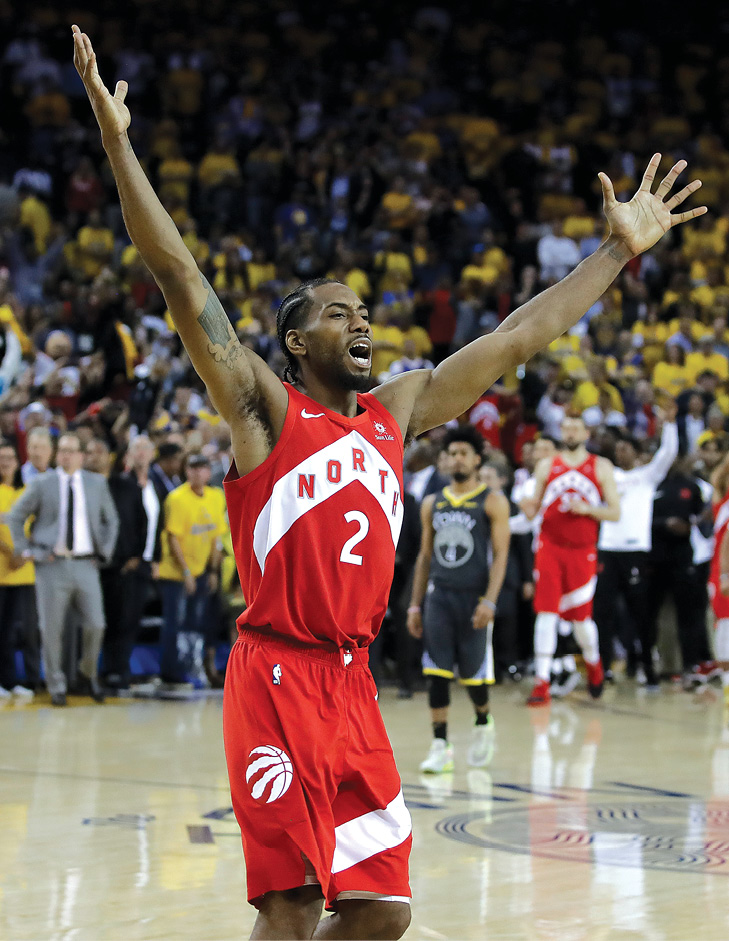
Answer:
[(291, 314)]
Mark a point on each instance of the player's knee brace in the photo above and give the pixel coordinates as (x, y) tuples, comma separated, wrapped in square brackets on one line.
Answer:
[(721, 640), (479, 695), (439, 692)]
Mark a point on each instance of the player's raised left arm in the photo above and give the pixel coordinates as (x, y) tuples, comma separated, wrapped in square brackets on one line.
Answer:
[(453, 386)]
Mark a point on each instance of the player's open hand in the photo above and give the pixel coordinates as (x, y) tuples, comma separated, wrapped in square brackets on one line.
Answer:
[(668, 412), (111, 112), (640, 223)]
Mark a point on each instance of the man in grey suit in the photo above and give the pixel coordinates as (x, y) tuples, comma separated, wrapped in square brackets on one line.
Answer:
[(75, 527)]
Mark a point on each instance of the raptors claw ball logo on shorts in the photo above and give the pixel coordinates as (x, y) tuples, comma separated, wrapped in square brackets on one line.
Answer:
[(269, 766)]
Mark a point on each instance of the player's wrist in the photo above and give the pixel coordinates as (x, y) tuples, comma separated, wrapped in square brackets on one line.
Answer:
[(414, 609), (115, 143), (487, 601)]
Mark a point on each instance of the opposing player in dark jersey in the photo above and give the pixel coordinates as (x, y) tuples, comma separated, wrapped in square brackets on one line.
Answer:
[(462, 561), (312, 774)]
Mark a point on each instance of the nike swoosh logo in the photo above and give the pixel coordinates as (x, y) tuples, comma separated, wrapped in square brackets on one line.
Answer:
[(305, 414)]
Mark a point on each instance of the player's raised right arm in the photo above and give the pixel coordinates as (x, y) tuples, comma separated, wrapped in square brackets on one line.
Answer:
[(236, 378)]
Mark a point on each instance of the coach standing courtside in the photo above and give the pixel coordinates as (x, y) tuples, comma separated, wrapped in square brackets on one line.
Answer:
[(624, 546), (75, 527)]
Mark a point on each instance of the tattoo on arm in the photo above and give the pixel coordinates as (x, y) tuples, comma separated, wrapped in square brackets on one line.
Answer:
[(617, 253), (224, 346)]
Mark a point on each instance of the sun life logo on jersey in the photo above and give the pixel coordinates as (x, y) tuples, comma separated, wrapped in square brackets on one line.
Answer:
[(381, 432), (269, 773)]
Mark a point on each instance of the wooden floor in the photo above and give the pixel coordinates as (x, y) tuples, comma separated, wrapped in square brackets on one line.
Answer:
[(606, 821)]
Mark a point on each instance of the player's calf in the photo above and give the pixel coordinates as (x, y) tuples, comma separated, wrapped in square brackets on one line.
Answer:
[(294, 913), (366, 918)]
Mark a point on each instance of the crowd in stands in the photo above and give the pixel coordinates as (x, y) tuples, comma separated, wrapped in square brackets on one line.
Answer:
[(441, 161)]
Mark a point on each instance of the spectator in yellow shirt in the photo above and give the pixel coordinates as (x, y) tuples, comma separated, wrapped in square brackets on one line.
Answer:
[(670, 374), (95, 246), (175, 175), (218, 167), (398, 206), (387, 340), (195, 524), (260, 270), (418, 336), (34, 215), (706, 359), (395, 264), (588, 392), (17, 592)]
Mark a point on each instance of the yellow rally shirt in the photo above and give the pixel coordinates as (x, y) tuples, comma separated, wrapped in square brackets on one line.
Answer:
[(25, 575), (197, 521)]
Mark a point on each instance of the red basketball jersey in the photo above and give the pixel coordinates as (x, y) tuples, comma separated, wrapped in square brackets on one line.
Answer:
[(564, 484), (314, 527), (721, 521)]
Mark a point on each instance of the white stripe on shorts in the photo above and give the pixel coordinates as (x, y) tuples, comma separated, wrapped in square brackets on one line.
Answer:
[(578, 597), (371, 896), (370, 834)]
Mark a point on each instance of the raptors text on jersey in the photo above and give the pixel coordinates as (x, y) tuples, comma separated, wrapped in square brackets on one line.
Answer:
[(315, 526), (565, 484)]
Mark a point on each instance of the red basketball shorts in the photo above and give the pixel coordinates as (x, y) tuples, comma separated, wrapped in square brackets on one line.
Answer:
[(565, 580), (312, 775)]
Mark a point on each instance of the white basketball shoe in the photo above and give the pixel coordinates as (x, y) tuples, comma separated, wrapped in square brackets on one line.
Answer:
[(481, 749), (440, 758)]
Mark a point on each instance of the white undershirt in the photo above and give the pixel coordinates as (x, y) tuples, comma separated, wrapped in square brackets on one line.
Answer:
[(82, 542)]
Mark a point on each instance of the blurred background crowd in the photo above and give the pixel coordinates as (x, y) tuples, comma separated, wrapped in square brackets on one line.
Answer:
[(441, 161)]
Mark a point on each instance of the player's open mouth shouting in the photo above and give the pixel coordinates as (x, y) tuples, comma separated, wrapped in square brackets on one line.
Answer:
[(360, 350)]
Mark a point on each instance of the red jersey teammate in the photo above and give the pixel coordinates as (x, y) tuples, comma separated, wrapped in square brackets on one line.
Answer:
[(719, 574), (575, 491), (315, 510)]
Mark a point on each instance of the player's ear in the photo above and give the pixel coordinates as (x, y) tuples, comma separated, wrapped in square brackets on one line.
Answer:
[(295, 342)]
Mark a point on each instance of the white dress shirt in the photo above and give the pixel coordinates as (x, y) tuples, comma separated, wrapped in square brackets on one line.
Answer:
[(636, 487), (82, 542), (152, 509)]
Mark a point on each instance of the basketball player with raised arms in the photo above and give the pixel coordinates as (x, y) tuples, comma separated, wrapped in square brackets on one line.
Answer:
[(575, 491), (315, 508)]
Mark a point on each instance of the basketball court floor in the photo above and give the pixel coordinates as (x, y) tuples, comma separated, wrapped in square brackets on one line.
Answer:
[(607, 821)]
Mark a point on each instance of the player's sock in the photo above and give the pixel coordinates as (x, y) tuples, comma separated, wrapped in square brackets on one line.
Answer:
[(568, 664), (482, 718), (440, 730), (586, 637), (545, 643)]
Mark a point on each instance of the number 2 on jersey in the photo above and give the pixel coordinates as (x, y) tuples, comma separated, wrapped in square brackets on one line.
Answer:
[(354, 516)]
